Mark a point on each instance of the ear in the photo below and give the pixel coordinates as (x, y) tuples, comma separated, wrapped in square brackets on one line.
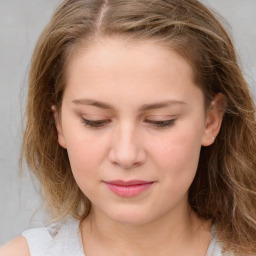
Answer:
[(214, 118), (61, 138)]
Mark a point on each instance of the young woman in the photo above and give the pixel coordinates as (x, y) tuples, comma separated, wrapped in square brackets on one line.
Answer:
[(141, 131)]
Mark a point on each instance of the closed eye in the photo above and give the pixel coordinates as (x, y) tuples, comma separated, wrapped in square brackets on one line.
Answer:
[(104, 122), (95, 123), (161, 123)]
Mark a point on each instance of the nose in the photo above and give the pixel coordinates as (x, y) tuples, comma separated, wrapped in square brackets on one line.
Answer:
[(127, 150)]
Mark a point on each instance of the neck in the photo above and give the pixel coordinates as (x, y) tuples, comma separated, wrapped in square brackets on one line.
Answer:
[(170, 234)]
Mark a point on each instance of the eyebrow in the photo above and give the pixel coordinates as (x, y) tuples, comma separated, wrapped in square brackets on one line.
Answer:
[(144, 107)]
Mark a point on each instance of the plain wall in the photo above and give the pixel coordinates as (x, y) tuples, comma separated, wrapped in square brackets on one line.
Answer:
[(21, 23)]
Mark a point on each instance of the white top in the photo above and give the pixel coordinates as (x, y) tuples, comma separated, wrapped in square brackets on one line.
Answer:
[(65, 240)]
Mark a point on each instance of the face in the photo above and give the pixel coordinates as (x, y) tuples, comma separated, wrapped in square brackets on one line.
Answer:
[(133, 122)]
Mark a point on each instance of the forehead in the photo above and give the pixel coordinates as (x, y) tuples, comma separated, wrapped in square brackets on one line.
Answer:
[(120, 67), (131, 49)]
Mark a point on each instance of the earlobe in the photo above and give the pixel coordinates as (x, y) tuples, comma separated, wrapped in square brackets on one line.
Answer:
[(214, 119), (61, 138)]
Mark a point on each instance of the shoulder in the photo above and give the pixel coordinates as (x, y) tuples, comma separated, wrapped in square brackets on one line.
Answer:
[(16, 247)]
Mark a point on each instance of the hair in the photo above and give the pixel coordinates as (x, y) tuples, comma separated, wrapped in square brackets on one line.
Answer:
[(224, 188)]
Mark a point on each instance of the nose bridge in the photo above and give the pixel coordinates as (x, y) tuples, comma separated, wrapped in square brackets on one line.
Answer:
[(127, 149), (126, 139)]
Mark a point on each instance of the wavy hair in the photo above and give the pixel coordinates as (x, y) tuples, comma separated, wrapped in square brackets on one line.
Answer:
[(224, 188)]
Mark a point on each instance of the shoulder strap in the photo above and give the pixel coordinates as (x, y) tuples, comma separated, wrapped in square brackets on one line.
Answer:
[(58, 239), (38, 239)]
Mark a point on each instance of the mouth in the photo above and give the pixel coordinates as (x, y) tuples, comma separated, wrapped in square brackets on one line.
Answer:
[(130, 188)]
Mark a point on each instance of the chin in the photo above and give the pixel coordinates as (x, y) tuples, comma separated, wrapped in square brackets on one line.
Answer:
[(132, 217)]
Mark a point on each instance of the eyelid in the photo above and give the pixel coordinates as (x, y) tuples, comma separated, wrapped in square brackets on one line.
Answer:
[(156, 122), (160, 117), (162, 123), (94, 117), (99, 123)]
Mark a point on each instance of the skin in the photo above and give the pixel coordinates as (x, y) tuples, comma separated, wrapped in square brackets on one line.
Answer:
[(130, 146), (124, 79), (17, 246)]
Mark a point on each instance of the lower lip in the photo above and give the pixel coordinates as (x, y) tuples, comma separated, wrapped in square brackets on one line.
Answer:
[(128, 191)]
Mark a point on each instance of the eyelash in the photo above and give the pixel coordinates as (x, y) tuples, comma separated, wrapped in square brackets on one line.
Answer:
[(162, 124), (95, 123), (102, 123)]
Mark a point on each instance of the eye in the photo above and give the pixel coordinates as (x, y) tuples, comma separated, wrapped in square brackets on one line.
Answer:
[(95, 123), (162, 123)]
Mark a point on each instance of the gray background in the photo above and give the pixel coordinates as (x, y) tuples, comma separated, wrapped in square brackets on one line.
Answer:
[(21, 22)]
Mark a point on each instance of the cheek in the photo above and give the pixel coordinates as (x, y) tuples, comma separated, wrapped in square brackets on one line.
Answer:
[(177, 160), (178, 154), (84, 154), (85, 150)]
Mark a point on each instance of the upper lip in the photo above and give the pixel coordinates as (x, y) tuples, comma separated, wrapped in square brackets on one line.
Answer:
[(127, 183)]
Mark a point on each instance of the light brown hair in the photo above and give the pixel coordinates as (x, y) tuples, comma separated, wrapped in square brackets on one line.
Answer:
[(224, 189)]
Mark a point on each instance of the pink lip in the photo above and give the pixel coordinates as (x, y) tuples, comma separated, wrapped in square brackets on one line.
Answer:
[(130, 188)]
